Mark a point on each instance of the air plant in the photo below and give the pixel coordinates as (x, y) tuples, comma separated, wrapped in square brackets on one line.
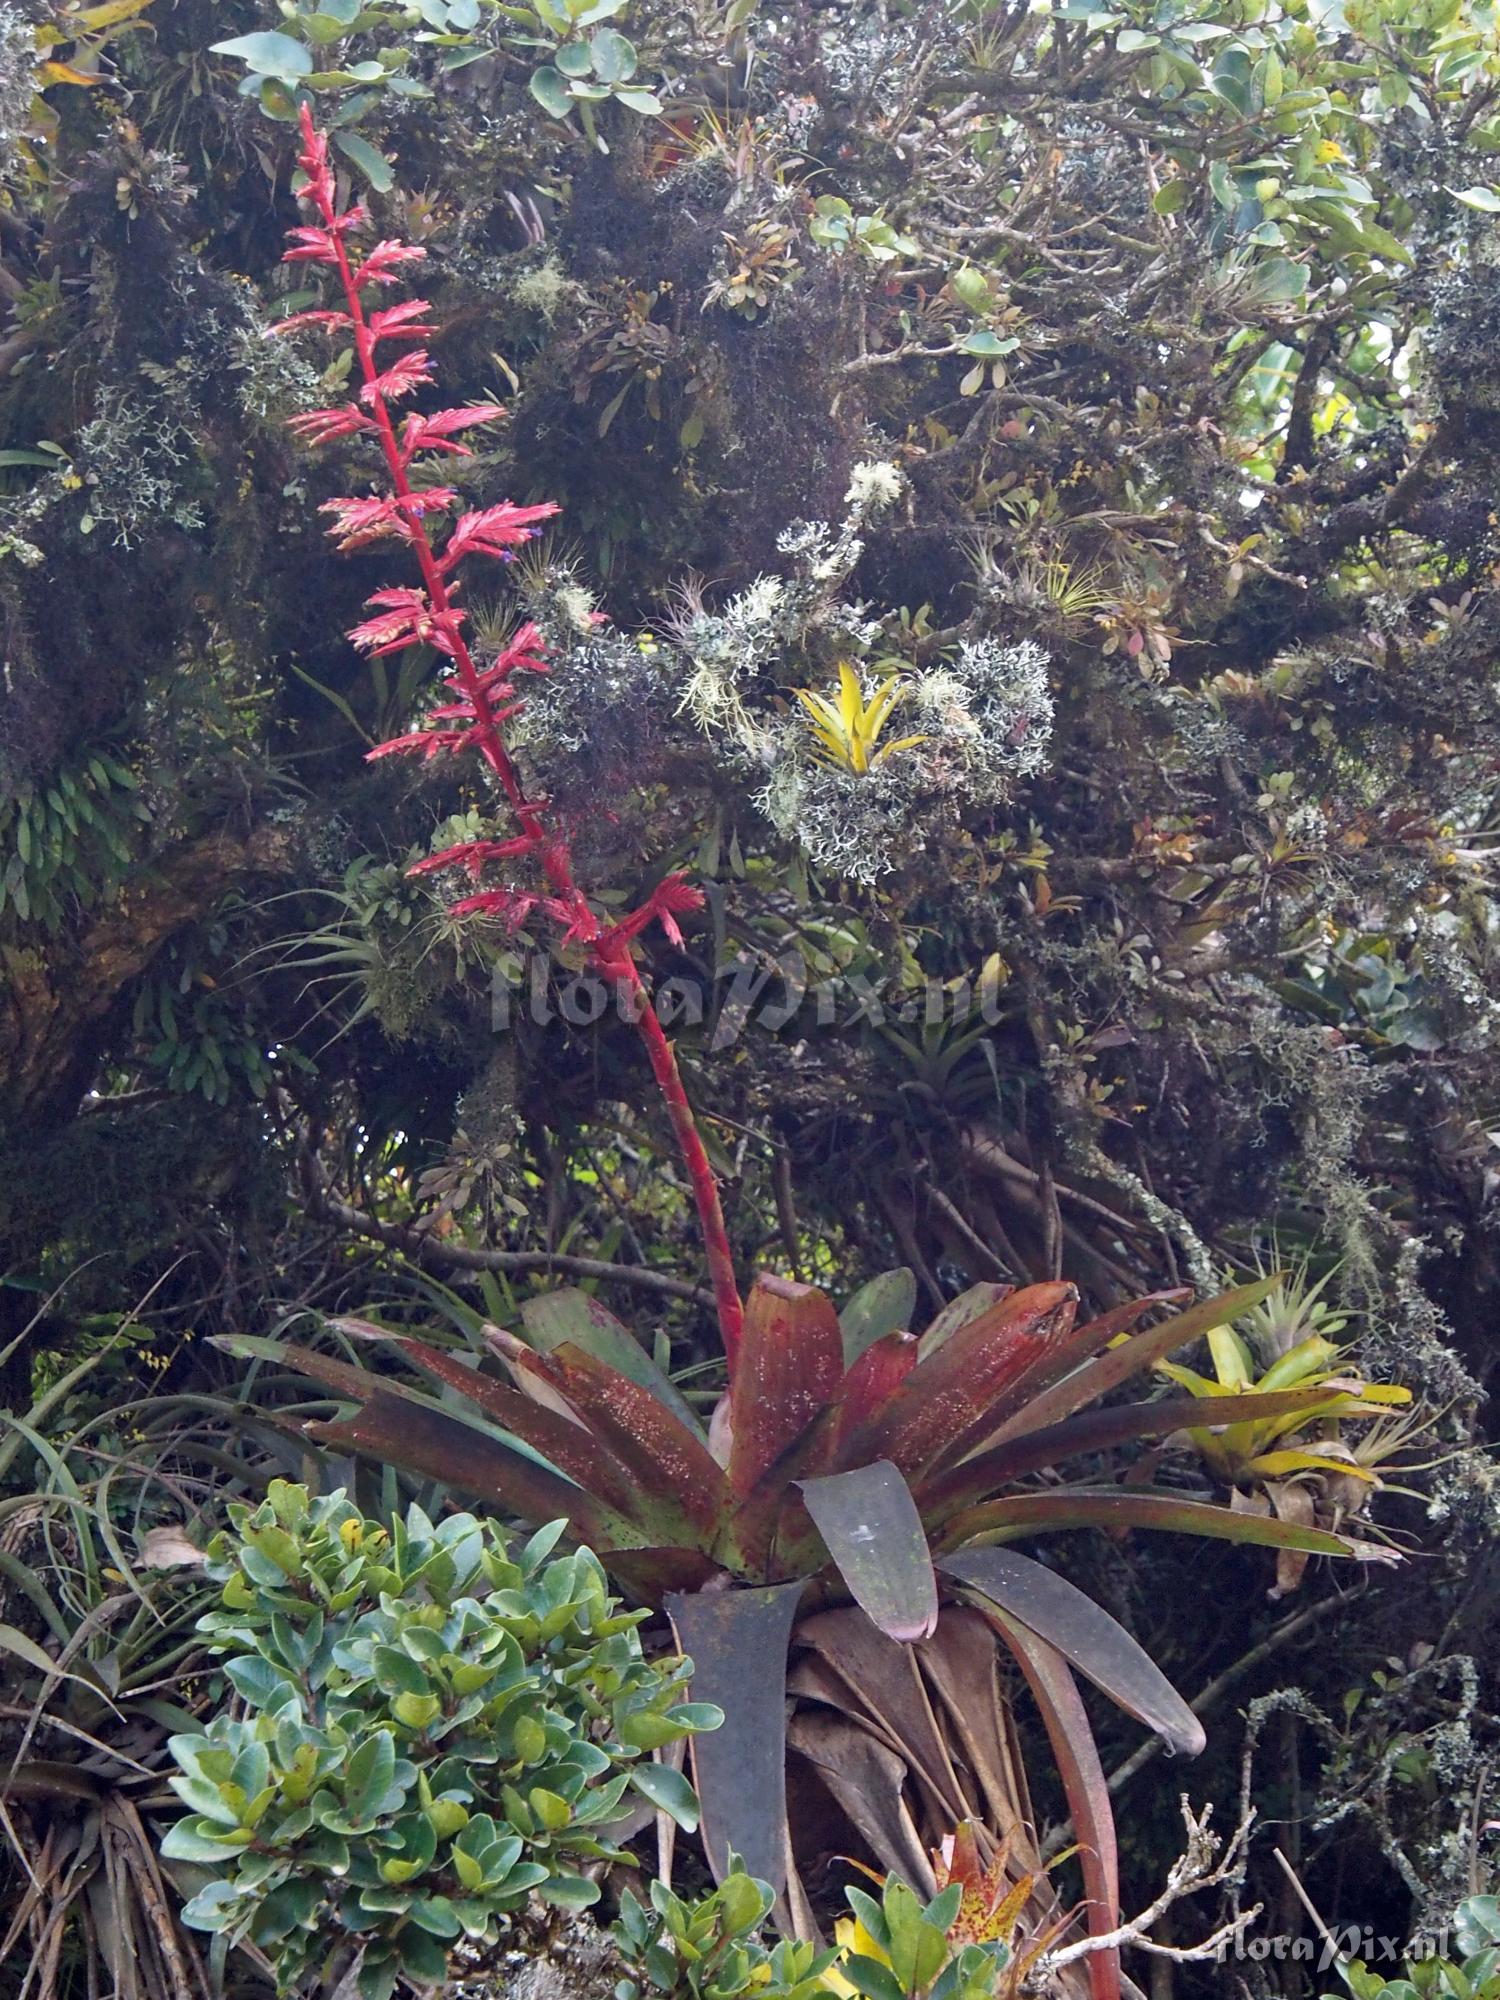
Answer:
[(847, 729), (1300, 1464)]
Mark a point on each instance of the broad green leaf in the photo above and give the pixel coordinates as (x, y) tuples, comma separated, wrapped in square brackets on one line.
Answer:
[(737, 1641), (1486, 200), (987, 345), (871, 1527), (669, 1791), (268, 54), (551, 92), (883, 1305), (971, 287), (375, 167), (614, 57), (370, 1775), (1278, 280)]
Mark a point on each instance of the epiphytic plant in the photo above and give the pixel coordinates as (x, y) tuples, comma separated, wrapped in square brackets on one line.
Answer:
[(848, 1460)]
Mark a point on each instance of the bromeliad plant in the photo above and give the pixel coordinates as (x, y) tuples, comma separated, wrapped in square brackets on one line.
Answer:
[(435, 1730), (850, 1464), (1299, 1465), (848, 1460)]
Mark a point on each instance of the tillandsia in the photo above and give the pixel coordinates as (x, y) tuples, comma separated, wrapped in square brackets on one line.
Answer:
[(483, 699)]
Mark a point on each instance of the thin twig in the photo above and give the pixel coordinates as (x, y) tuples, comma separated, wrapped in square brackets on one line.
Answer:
[(425, 1249)]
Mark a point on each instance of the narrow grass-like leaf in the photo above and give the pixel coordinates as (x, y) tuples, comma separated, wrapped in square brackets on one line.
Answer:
[(1094, 1431), (1120, 1507)]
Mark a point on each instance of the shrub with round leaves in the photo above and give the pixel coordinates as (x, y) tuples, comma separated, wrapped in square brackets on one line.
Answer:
[(429, 1732)]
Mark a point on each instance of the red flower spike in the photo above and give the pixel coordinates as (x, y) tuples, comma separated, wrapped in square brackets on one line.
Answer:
[(472, 854), (310, 246), (672, 897), (466, 707), (356, 523), (406, 321), (406, 618), (424, 743), (381, 265), (523, 649), (313, 160), (407, 615), (308, 319)]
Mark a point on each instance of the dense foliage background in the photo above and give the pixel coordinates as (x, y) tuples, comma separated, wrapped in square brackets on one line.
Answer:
[(1126, 383)]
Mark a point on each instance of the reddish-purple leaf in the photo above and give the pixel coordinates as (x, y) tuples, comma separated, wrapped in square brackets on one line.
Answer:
[(958, 1312), (737, 1641), (1084, 1632), (788, 1370), (950, 1391), (871, 1528), (572, 1448), (396, 1430), (646, 1575), (979, 1477), (1085, 1385), (572, 1315), (872, 1381), (770, 1532), (663, 1456), (1063, 1358), (1084, 1785)]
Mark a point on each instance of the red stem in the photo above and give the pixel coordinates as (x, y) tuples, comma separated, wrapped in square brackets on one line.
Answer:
[(615, 964)]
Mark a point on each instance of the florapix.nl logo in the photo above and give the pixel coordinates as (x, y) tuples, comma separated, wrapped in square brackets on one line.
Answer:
[(770, 994)]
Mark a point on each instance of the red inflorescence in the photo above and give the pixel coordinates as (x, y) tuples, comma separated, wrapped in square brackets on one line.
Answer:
[(480, 698)]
